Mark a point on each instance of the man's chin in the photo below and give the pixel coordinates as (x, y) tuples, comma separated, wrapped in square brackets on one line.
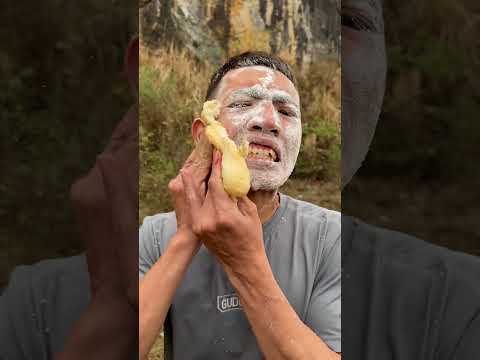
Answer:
[(266, 180), (263, 187)]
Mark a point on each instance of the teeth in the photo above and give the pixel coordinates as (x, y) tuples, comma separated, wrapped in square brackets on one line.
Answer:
[(264, 153)]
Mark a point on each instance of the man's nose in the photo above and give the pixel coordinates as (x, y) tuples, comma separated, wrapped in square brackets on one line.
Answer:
[(267, 121)]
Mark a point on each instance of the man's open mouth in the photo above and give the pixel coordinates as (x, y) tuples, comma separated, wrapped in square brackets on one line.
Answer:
[(262, 152)]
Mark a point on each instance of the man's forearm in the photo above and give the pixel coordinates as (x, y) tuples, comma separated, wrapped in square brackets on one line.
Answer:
[(279, 331), (158, 286)]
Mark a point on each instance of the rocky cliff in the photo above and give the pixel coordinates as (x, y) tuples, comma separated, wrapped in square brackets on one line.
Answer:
[(298, 30)]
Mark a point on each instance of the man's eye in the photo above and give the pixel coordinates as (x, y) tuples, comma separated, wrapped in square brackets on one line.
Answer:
[(285, 112), (239, 105)]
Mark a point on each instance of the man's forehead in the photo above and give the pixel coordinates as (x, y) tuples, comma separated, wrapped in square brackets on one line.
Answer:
[(250, 76)]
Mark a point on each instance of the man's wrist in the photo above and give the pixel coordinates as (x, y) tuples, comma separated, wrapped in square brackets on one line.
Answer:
[(251, 274), (185, 239)]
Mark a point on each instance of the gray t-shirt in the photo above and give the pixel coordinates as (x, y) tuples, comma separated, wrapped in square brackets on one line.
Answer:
[(206, 321), (40, 306)]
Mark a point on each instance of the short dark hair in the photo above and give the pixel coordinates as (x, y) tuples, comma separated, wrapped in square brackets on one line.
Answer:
[(249, 58)]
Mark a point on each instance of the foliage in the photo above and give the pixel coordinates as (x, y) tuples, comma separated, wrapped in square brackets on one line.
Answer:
[(428, 125), (171, 94)]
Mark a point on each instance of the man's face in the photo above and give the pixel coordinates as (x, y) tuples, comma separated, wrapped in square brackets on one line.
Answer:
[(262, 106), (363, 79)]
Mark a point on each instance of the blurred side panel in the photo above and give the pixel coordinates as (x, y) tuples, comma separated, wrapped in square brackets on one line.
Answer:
[(410, 201), (67, 85)]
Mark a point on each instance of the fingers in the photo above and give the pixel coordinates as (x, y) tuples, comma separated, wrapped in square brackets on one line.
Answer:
[(204, 149), (215, 184), (200, 160), (247, 207), (193, 194)]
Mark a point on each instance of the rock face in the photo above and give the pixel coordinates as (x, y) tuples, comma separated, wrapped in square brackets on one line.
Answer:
[(300, 31)]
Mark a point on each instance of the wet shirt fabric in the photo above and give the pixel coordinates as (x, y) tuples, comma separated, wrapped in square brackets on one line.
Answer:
[(39, 307), (206, 320), (406, 299)]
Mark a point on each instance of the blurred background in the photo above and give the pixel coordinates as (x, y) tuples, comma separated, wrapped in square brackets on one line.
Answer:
[(422, 174), (184, 42), (63, 91)]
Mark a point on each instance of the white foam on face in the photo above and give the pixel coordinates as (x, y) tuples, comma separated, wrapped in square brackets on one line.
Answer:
[(272, 175), (267, 80), (271, 178), (242, 119)]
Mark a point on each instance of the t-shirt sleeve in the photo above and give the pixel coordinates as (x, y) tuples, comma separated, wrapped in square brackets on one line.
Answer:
[(469, 345), (148, 249), (324, 311)]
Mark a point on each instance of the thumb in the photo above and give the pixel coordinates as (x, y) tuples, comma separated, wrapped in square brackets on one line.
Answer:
[(199, 162), (204, 151)]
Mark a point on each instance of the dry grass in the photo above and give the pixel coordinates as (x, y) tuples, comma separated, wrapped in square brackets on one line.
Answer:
[(193, 76), (172, 89), (157, 350), (320, 91)]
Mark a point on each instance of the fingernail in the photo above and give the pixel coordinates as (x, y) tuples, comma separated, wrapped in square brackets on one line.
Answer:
[(218, 157)]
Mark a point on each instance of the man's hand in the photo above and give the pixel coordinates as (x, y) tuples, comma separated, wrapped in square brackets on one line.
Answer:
[(230, 229), (198, 165)]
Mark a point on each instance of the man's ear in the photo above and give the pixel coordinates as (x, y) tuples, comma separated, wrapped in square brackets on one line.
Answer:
[(197, 129), (131, 65)]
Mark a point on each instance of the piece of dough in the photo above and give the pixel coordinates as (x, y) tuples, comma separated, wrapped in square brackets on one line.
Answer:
[(235, 173)]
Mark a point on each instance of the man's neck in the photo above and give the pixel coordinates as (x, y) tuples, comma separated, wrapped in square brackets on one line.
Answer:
[(267, 203)]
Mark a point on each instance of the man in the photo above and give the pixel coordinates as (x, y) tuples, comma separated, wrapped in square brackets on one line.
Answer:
[(250, 277), (402, 298)]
